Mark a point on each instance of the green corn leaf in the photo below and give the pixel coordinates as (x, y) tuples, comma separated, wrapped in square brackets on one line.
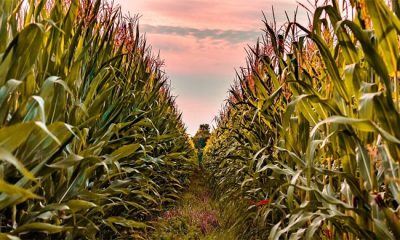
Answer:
[(386, 33), (10, 189), (10, 158), (125, 222), (41, 227)]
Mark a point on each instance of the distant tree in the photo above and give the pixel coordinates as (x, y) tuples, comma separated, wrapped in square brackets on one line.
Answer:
[(200, 140)]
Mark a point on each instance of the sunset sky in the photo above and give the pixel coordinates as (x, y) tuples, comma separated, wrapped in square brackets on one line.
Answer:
[(202, 43)]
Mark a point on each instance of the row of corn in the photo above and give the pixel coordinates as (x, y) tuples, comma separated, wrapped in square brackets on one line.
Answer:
[(308, 145), (91, 143)]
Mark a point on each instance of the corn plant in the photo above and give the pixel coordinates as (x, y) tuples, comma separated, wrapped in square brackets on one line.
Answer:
[(307, 145), (91, 142)]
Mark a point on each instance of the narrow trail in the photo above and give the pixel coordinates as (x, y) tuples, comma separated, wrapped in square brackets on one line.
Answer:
[(196, 216)]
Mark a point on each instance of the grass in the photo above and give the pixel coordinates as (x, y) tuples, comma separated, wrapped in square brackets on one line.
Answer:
[(196, 216)]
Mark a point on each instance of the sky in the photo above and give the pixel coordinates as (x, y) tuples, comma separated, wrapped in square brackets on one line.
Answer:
[(202, 42)]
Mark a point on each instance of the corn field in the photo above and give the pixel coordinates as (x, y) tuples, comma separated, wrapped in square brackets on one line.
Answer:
[(308, 145), (91, 143)]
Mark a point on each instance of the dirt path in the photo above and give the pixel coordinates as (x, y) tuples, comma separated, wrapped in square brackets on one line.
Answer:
[(195, 217)]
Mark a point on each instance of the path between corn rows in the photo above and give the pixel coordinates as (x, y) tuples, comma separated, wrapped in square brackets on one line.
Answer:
[(196, 216)]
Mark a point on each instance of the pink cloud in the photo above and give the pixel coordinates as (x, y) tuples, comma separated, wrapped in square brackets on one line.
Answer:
[(202, 42), (185, 55), (243, 15)]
